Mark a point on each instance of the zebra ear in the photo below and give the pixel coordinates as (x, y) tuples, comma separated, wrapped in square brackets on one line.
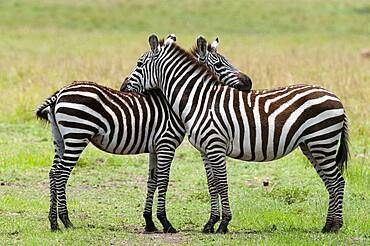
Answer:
[(153, 42), (170, 39), (215, 44), (202, 47)]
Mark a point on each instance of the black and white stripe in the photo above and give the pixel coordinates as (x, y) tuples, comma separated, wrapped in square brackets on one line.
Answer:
[(254, 126), (118, 123)]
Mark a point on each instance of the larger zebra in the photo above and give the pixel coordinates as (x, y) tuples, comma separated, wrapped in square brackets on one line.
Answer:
[(119, 123), (253, 126)]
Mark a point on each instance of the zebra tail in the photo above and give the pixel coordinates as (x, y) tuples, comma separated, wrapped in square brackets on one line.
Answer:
[(41, 111), (343, 151)]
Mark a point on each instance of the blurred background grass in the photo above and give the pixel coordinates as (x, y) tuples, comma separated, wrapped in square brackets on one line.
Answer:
[(46, 44)]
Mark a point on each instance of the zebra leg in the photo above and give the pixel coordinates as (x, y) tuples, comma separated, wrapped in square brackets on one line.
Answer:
[(53, 213), (71, 154), (165, 156), (326, 166), (335, 185), (212, 188), (218, 163), (151, 187), (59, 150)]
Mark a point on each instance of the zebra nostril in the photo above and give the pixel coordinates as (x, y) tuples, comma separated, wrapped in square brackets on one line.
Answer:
[(245, 80)]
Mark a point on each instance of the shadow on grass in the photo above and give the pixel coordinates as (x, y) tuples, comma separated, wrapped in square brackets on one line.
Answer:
[(140, 230), (262, 231)]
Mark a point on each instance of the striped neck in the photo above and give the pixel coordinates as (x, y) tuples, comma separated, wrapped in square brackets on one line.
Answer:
[(184, 79)]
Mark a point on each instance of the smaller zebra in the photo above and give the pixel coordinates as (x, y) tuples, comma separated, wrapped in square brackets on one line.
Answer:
[(118, 123)]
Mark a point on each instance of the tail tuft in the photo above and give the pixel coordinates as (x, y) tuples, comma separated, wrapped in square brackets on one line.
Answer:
[(41, 111), (343, 151)]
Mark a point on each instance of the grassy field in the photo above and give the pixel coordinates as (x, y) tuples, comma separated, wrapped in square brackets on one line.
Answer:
[(46, 44)]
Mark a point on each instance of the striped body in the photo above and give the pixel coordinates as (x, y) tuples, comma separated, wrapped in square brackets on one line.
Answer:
[(265, 125), (115, 122), (254, 126)]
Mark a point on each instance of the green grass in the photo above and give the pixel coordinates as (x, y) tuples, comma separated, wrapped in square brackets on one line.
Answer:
[(106, 195), (46, 44)]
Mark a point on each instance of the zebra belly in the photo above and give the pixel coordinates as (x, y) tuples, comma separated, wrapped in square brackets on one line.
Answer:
[(115, 147), (255, 153), (124, 152)]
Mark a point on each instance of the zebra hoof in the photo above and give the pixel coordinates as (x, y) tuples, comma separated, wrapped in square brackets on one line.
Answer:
[(149, 224), (167, 227), (66, 222), (331, 227), (208, 228), (53, 223), (54, 227), (151, 228), (170, 229), (222, 229), (69, 225)]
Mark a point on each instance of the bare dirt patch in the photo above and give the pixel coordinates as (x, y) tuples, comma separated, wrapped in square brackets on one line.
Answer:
[(157, 237), (167, 238)]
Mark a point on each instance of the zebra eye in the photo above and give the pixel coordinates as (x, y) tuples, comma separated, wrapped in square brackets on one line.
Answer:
[(218, 64)]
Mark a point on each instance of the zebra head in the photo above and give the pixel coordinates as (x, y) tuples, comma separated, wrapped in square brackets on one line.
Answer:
[(204, 53), (226, 72), (145, 75)]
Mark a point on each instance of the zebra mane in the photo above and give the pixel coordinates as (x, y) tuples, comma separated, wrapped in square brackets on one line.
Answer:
[(194, 50), (204, 68)]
